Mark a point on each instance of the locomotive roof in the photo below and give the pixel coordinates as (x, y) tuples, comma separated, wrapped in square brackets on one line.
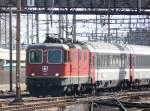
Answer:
[(64, 46)]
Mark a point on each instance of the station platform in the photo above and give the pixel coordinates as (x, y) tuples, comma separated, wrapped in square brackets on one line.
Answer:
[(4, 54), (5, 87)]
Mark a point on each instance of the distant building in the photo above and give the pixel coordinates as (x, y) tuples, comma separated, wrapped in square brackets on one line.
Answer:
[(139, 37)]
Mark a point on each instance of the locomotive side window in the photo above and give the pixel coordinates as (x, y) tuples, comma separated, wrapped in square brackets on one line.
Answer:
[(35, 56), (79, 54), (54, 56), (66, 56), (74, 55), (93, 61), (85, 56)]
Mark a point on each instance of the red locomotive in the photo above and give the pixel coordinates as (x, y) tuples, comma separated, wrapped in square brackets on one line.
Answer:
[(60, 66)]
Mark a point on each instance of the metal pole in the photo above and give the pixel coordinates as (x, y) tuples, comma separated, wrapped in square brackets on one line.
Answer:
[(18, 88), (28, 29), (108, 39), (66, 25), (47, 24), (10, 47), (139, 5), (32, 38), (130, 30), (60, 26), (74, 26), (116, 34), (5, 30), (37, 28), (92, 36), (96, 28)]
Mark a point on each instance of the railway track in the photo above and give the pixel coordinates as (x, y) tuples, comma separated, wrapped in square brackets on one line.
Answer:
[(120, 99), (133, 95), (6, 95), (33, 103), (40, 104)]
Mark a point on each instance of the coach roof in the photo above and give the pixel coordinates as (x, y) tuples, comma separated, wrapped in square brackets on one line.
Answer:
[(139, 49), (106, 47)]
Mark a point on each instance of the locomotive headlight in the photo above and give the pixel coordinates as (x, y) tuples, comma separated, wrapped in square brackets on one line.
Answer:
[(57, 74), (32, 74)]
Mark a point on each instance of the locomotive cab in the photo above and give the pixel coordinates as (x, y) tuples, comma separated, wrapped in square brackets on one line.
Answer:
[(46, 66), (46, 62)]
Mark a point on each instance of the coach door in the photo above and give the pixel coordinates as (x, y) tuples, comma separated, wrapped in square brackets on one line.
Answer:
[(92, 67), (131, 67)]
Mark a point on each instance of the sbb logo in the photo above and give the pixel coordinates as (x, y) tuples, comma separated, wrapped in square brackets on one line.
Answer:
[(44, 68)]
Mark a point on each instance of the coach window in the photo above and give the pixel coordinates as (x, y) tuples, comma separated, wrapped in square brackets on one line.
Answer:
[(101, 61), (125, 61), (103, 65), (105, 61), (111, 61), (122, 61), (137, 62), (108, 61), (98, 60), (114, 61), (36, 56), (55, 56)]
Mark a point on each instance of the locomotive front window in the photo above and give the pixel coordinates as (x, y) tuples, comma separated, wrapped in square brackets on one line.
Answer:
[(55, 56), (35, 56)]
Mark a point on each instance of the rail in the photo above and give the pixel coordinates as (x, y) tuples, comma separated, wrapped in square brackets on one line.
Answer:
[(115, 100)]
